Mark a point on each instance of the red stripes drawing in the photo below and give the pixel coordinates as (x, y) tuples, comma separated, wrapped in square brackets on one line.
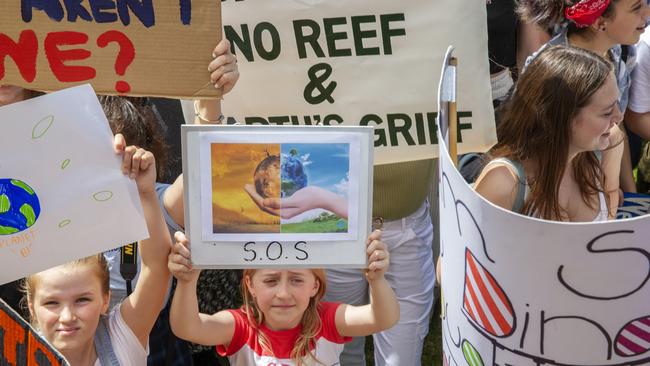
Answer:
[(634, 338), (484, 300)]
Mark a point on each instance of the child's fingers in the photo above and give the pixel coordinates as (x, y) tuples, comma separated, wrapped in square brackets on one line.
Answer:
[(378, 256), (135, 162), (147, 160), (180, 261), (127, 159), (180, 237), (119, 143), (375, 235), (174, 266), (375, 245), (181, 250)]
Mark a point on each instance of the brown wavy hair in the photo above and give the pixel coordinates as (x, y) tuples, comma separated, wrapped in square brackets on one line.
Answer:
[(550, 13), (536, 126), (136, 119), (311, 323)]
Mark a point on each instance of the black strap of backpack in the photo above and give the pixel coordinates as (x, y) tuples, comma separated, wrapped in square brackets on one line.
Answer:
[(128, 264)]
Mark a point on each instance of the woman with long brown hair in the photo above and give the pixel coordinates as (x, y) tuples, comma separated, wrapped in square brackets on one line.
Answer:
[(559, 150), (609, 28)]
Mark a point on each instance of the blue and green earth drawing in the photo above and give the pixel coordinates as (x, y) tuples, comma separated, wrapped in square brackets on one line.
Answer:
[(325, 165), (293, 176), (19, 206)]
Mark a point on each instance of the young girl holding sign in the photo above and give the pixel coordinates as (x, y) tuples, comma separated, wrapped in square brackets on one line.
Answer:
[(283, 320), (67, 302)]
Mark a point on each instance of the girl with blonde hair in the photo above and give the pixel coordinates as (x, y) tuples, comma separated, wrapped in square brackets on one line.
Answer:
[(283, 320)]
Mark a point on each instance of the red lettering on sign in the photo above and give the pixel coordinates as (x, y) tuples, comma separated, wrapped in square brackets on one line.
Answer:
[(14, 334), (58, 57), (33, 346), (23, 53)]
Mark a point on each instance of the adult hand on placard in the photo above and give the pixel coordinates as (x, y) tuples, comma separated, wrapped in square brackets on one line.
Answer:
[(223, 69)]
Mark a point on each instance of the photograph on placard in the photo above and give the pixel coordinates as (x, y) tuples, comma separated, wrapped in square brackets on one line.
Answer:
[(234, 167), (319, 173), (280, 188)]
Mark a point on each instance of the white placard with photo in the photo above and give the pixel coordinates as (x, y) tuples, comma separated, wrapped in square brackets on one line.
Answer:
[(287, 196)]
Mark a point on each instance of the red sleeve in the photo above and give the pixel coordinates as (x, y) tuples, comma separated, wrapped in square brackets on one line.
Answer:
[(327, 312), (239, 337)]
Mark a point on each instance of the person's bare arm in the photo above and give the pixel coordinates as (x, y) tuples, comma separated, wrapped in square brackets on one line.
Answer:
[(383, 311), (626, 175), (499, 185), (140, 309), (223, 75), (185, 319), (530, 38), (611, 165)]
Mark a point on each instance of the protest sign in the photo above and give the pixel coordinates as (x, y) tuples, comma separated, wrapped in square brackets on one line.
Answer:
[(350, 62), (634, 204), (62, 193), (158, 48), (523, 291), (260, 196), (21, 344)]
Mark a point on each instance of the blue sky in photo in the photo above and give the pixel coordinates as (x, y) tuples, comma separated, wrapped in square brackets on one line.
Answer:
[(327, 165)]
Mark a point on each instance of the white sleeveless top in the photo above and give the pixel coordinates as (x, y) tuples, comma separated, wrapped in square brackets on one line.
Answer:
[(515, 167)]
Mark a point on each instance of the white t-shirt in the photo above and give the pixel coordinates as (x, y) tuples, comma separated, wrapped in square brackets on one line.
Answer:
[(640, 88), (127, 346)]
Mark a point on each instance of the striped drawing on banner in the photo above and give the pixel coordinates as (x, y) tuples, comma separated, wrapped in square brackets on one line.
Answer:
[(484, 300), (472, 356), (634, 338)]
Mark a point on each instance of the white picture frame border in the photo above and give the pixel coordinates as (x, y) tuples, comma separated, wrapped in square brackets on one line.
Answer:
[(216, 251)]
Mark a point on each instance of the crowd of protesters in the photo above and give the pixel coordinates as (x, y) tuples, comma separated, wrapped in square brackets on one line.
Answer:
[(570, 88)]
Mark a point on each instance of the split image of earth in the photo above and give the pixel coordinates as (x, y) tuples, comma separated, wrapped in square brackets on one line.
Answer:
[(278, 188)]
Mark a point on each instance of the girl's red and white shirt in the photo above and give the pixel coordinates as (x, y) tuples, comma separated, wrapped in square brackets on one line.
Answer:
[(245, 349)]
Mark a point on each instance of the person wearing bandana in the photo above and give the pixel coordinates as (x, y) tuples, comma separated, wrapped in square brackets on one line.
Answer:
[(604, 27)]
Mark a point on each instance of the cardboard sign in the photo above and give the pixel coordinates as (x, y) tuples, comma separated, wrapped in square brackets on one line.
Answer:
[(260, 196), (523, 291), (157, 48), (62, 193), (370, 62), (21, 344)]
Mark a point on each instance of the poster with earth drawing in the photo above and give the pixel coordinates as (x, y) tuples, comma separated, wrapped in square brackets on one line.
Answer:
[(62, 193)]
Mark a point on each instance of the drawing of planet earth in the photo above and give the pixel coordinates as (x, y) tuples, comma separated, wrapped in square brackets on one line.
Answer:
[(19, 206), (293, 173), (267, 177)]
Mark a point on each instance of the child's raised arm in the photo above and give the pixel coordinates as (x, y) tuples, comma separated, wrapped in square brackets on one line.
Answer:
[(383, 310), (224, 74), (186, 321), (140, 309)]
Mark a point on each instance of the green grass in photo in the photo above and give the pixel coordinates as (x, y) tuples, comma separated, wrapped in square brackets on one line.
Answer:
[(324, 223)]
